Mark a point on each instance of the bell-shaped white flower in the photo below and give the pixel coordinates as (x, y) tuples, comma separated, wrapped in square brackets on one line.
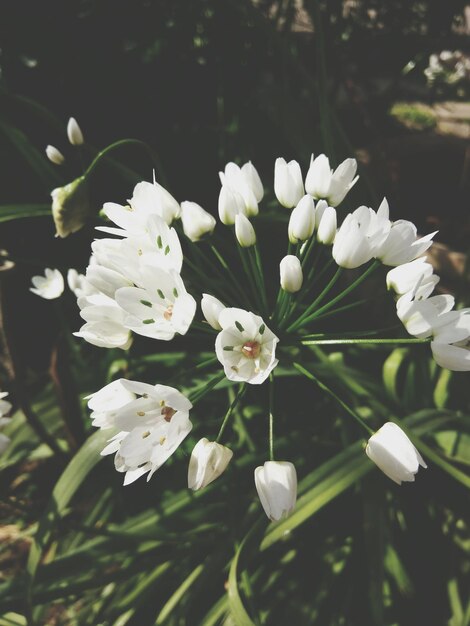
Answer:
[(302, 220), (105, 403), (245, 346), (326, 221), (159, 307), (74, 132), (243, 182), (252, 178), (288, 183), (451, 345), (208, 461), (291, 273), (276, 484), (392, 451), (54, 155), (351, 247), (196, 221), (322, 182), (244, 231), (49, 286), (211, 309), (104, 319), (422, 318), (151, 425), (5, 407), (402, 245), (406, 277), (230, 204)]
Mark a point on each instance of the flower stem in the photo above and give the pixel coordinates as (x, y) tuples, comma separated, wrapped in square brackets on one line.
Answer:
[(239, 395), (118, 144), (204, 389), (271, 417), (330, 392)]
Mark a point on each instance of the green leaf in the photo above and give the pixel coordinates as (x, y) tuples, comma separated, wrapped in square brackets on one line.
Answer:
[(10, 212), (391, 369), (178, 595), (71, 479)]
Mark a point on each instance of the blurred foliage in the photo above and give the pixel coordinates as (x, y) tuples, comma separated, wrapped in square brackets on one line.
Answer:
[(205, 82)]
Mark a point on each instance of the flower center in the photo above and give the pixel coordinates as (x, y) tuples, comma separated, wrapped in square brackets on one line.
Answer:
[(168, 313), (168, 413), (251, 349)]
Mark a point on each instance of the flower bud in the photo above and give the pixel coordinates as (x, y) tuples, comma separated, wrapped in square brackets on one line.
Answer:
[(288, 184), (276, 484), (302, 220), (211, 309), (70, 207), (74, 132), (208, 461), (326, 229), (352, 247), (244, 231), (253, 180), (291, 273), (393, 453), (196, 221), (230, 203), (54, 155)]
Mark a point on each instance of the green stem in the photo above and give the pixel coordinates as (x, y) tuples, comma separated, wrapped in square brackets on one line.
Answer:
[(118, 144), (239, 395), (311, 342), (200, 393), (271, 417), (259, 266), (225, 266), (317, 301), (338, 298), (330, 392)]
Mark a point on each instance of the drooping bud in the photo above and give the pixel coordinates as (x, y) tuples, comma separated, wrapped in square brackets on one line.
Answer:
[(208, 461), (276, 484), (70, 206)]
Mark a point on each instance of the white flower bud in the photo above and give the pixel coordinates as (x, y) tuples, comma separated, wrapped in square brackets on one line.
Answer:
[(291, 273), (208, 461), (326, 229), (74, 132), (322, 182), (253, 180), (196, 221), (50, 286), (211, 309), (302, 220), (230, 203), (288, 184), (54, 155), (244, 231), (352, 247), (276, 484), (392, 451)]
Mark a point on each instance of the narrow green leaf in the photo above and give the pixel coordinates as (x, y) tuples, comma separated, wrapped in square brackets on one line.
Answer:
[(178, 595), (391, 369), (10, 212)]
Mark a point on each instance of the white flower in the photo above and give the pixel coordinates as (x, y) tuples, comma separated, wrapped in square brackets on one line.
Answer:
[(74, 132), (401, 245), (276, 484), (196, 221), (50, 286), (246, 183), (302, 220), (5, 407), (451, 345), (253, 180), (288, 184), (152, 424), (326, 222), (78, 284), (407, 277), (245, 346), (208, 461), (54, 155), (322, 182), (230, 204), (104, 319), (211, 309), (422, 318), (392, 451), (244, 231), (360, 236), (291, 273), (159, 307)]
